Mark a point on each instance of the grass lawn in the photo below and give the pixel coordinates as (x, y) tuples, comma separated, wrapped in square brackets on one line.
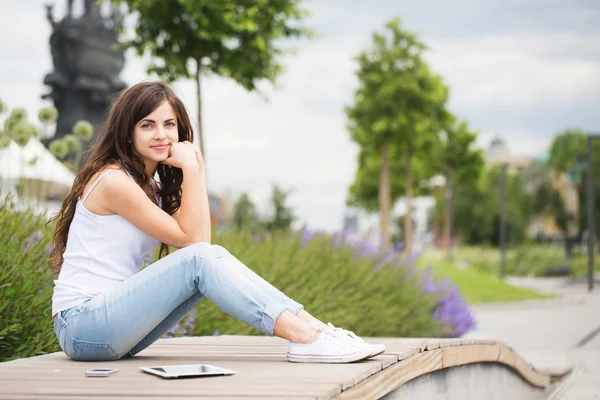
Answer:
[(522, 260), (481, 287)]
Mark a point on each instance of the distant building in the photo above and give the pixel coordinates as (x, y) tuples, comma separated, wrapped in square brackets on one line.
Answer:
[(534, 172), (497, 154)]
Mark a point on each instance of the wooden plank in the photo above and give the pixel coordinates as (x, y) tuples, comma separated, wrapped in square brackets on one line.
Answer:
[(512, 359), (344, 375), (433, 344), (262, 370), (402, 354), (181, 388), (437, 343), (399, 343), (226, 340), (453, 356), (391, 378), (385, 360), (479, 341), (170, 397)]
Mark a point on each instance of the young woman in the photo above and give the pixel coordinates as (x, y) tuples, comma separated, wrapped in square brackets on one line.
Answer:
[(105, 307)]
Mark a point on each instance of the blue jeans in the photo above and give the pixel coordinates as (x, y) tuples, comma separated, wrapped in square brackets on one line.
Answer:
[(131, 316)]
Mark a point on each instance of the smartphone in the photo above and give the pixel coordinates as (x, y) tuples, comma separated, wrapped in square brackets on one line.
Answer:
[(101, 372)]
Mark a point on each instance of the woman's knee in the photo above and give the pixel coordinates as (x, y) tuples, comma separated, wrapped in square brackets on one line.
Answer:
[(199, 248)]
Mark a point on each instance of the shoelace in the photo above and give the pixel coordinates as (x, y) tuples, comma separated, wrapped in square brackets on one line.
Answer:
[(334, 339), (345, 332)]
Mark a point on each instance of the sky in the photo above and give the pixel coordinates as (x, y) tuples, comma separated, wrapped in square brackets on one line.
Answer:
[(522, 70)]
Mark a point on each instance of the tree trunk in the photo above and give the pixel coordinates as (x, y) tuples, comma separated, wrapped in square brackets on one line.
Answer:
[(384, 196), (408, 200), (199, 98), (447, 235)]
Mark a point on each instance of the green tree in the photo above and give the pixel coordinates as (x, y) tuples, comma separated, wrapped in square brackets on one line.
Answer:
[(244, 213), (396, 111), (568, 153), (566, 149), (282, 217), (460, 163), (477, 208), (549, 201), (238, 40)]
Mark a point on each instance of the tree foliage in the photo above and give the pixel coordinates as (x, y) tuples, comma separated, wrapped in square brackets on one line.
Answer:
[(476, 208), (282, 215), (460, 163), (280, 218), (238, 40), (245, 216), (394, 118)]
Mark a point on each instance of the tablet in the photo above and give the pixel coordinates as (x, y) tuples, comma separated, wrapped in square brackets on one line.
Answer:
[(187, 371)]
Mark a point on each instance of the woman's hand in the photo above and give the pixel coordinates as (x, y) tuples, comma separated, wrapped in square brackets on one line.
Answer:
[(182, 155)]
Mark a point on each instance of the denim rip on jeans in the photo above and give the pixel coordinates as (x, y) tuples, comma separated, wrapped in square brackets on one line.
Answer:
[(131, 316)]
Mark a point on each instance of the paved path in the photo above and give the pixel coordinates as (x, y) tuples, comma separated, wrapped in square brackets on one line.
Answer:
[(551, 333)]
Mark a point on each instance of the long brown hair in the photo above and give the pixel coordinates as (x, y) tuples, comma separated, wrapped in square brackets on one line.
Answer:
[(113, 146)]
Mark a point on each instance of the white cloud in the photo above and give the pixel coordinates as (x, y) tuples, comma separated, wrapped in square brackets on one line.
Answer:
[(522, 69), (298, 138)]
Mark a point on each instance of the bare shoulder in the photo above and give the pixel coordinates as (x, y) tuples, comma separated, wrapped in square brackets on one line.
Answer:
[(110, 188), (97, 174), (118, 183)]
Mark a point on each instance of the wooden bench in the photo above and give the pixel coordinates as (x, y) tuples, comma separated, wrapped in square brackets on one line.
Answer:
[(262, 370)]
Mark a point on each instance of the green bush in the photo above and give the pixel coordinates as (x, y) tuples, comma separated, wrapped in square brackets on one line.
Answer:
[(26, 327), (373, 296), (523, 260), (333, 284)]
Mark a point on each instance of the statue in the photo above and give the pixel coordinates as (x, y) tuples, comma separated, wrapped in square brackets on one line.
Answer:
[(86, 71)]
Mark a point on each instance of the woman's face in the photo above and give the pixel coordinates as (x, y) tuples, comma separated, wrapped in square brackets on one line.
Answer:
[(153, 135)]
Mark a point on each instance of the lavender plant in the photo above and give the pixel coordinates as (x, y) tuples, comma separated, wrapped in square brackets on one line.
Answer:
[(451, 308)]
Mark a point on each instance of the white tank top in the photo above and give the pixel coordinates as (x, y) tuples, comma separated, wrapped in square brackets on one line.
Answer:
[(102, 251)]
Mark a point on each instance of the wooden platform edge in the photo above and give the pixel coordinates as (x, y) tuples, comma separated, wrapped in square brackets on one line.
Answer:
[(428, 361)]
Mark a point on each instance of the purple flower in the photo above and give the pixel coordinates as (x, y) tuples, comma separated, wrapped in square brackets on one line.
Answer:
[(346, 238), (451, 309), (385, 259), (37, 235), (369, 250), (50, 248), (336, 240), (307, 236), (216, 333), (411, 259), (189, 322)]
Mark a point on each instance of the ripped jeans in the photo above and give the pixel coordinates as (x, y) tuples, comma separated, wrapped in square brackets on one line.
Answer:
[(126, 319)]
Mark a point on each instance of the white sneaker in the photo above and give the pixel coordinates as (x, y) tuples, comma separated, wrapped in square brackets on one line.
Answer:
[(328, 348), (376, 349)]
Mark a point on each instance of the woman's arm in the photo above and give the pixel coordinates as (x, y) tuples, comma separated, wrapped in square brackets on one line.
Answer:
[(194, 213), (123, 196)]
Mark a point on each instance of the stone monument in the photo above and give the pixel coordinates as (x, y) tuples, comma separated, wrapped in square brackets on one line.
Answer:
[(86, 71)]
